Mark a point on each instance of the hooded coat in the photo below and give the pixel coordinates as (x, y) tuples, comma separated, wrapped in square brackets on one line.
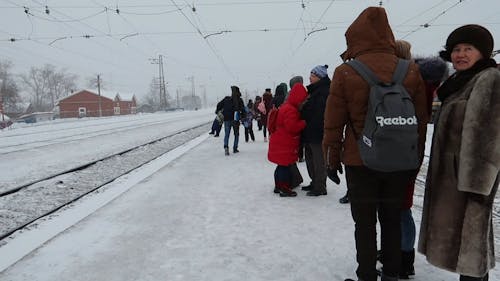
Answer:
[(284, 142), (456, 231), (369, 40)]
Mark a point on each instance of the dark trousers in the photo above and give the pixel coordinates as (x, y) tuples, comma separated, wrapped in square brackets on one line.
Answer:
[(283, 177), (216, 127), (296, 176), (371, 192), (315, 164), (249, 132)]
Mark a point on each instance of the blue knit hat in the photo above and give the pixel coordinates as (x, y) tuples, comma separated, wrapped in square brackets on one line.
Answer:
[(320, 71)]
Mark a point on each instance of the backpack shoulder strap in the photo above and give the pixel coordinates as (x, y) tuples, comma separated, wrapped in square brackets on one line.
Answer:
[(401, 71), (364, 71)]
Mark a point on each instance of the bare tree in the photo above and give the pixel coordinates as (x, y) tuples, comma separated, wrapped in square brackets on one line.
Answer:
[(152, 98), (8, 87), (46, 85), (92, 83)]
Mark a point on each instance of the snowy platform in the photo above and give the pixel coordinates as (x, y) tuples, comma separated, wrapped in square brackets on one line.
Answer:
[(205, 216)]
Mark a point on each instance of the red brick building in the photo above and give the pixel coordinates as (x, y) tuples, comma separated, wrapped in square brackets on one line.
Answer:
[(87, 103)]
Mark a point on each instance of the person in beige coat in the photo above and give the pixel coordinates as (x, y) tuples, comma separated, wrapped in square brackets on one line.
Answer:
[(456, 232)]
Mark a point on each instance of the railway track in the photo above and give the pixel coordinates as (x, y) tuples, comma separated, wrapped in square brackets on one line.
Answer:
[(60, 189), (74, 134)]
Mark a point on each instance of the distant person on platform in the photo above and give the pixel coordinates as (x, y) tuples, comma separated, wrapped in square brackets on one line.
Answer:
[(233, 110)]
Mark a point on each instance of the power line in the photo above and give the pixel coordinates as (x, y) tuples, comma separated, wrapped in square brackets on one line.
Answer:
[(428, 23), (221, 60)]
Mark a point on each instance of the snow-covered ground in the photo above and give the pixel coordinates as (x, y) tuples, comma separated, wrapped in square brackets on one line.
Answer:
[(45, 148), (196, 214)]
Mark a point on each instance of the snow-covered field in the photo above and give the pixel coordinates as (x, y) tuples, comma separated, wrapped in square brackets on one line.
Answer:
[(195, 214)]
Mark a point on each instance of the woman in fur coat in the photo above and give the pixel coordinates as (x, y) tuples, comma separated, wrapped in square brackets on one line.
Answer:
[(456, 233)]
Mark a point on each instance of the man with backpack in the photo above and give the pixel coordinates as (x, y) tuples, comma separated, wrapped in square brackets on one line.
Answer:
[(385, 124)]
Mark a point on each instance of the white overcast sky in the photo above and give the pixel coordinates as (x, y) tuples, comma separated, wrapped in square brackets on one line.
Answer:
[(254, 44)]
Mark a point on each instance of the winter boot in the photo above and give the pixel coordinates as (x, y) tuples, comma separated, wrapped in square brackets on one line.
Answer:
[(288, 193), (285, 190), (468, 278), (308, 187), (316, 193), (388, 278), (344, 200), (407, 269), (235, 150), (226, 151)]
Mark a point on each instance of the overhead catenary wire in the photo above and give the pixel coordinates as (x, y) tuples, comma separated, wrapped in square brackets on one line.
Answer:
[(221, 60), (429, 22)]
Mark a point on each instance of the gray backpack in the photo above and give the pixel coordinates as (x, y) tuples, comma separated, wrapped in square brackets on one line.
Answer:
[(389, 141)]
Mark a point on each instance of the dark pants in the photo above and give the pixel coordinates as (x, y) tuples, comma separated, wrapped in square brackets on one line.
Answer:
[(283, 177), (296, 176), (216, 127), (371, 192), (315, 164), (249, 132)]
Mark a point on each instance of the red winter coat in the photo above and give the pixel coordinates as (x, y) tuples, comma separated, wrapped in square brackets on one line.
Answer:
[(284, 142)]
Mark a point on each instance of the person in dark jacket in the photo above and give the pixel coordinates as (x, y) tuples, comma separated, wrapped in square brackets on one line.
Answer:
[(313, 112), (233, 110), (284, 142), (456, 231), (372, 193)]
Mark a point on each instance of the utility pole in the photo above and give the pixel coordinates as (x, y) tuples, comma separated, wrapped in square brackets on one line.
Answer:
[(99, 92), (204, 95), (191, 78), (161, 80)]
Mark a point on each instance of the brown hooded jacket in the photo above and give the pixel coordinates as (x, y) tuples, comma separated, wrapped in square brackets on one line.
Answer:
[(369, 40)]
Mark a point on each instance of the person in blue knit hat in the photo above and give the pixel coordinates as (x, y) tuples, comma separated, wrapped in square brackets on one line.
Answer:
[(312, 112)]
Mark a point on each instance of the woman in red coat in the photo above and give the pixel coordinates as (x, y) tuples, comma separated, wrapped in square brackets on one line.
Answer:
[(284, 142)]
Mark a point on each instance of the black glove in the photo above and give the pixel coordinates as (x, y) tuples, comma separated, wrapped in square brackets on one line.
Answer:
[(332, 174)]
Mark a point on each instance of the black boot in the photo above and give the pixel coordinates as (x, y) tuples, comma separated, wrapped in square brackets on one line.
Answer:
[(469, 278), (407, 260), (308, 187), (344, 200), (226, 150)]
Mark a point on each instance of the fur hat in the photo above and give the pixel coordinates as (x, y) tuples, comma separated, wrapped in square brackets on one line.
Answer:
[(473, 34), (320, 71)]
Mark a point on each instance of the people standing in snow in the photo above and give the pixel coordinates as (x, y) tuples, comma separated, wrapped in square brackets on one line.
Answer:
[(296, 176), (371, 193), (248, 121), (284, 142), (258, 100), (313, 112), (456, 231), (233, 110), (264, 109)]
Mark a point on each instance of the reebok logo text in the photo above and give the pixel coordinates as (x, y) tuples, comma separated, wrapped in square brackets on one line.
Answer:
[(395, 121)]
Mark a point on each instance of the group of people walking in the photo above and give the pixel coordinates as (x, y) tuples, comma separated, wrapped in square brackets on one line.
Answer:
[(332, 121)]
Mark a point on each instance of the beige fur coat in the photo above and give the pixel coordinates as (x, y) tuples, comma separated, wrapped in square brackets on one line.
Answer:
[(456, 233)]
